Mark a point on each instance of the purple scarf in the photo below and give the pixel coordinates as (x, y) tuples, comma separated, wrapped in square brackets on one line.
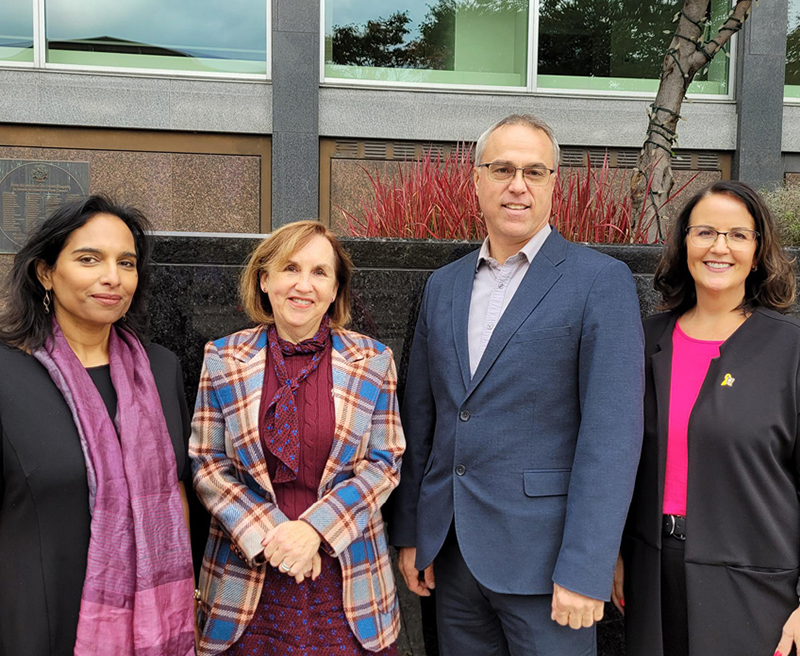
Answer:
[(283, 439), (137, 594)]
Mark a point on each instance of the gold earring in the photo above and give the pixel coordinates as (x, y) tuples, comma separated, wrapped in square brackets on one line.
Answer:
[(46, 301)]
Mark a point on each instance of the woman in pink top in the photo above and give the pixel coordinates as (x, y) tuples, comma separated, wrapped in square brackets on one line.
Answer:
[(711, 553)]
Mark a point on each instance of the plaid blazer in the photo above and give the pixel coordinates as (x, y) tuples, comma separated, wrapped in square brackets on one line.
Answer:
[(231, 479)]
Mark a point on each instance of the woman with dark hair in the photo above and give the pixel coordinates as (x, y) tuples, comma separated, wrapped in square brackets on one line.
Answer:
[(710, 557), (94, 547), (296, 443)]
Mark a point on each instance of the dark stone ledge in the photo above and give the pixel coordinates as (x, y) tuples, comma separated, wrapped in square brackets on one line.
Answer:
[(194, 299)]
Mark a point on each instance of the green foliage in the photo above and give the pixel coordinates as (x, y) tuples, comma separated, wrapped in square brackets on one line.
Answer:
[(793, 50), (603, 38), (784, 203), (386, 42), (378, 43)]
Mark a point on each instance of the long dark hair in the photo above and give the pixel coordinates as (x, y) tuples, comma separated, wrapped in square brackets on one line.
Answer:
[(23, 322), (771, 285)]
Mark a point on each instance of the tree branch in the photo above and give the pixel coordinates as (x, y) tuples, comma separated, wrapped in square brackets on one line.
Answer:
[(732, 24)]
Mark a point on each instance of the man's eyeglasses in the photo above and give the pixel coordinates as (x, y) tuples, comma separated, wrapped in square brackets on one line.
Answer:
[(706, 237), (534, 176)]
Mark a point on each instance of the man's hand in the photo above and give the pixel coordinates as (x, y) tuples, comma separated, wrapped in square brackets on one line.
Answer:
[(405, 563), (575, 610), (618, 589)]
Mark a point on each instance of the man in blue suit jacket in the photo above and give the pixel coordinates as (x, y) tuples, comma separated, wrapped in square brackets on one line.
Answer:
[(523, 420)]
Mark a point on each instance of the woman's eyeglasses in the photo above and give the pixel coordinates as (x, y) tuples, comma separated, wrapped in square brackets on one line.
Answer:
[(706, 236)]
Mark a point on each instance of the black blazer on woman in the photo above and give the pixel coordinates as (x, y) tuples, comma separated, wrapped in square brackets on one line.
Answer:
[(44, 500), (743, 515)]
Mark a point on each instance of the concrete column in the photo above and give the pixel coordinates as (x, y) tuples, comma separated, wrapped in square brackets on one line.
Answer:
[(760, 74), (296, 33)]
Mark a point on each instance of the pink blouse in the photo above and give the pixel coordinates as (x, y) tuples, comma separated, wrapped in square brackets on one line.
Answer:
[(690, 361)]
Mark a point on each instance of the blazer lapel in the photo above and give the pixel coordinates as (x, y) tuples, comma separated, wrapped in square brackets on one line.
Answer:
[(542, 274), (661, 362), (246, 368), (348, 371), (462, 295)]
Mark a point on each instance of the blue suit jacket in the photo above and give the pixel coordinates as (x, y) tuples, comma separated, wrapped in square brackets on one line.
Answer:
[(535, 455)]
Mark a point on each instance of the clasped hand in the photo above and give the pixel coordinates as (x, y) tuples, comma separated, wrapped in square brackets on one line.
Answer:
[(296, 545)]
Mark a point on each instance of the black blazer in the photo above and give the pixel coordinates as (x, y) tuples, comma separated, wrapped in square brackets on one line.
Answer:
[(44, 500), (743, 515)]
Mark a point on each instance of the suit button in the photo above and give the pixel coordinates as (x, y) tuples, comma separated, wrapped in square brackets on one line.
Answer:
[(464, 416), (461, 470)]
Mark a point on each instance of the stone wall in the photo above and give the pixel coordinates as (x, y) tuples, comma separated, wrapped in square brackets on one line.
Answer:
[(176, 191), (194, 300)]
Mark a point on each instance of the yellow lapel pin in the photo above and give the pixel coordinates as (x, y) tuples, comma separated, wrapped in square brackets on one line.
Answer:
[(728, 381)]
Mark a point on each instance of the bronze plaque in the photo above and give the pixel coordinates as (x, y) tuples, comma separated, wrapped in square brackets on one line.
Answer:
[(30, 190)]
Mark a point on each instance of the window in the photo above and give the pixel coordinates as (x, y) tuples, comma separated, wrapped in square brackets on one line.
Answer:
[(192, 37), (428, 41), (16, 31), (792, 88), (616, 45), (603, 45)]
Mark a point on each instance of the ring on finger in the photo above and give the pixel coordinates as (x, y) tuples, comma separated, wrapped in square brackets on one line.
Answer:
[(284, 567)]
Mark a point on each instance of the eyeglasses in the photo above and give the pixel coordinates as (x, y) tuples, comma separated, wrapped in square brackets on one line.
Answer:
[(534, 176), (706, 236)]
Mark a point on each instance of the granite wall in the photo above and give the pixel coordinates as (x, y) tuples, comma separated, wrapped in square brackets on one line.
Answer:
[(194, 300), (181, 192)]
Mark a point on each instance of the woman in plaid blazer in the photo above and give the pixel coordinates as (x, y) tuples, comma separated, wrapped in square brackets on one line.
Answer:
[(296, 444)]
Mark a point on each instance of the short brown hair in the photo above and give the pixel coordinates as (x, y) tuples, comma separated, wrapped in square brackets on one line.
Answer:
[(529, 121), (273, 252), (771, 285)]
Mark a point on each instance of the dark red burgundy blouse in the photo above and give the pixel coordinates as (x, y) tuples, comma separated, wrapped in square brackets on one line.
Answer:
[(316, 422)]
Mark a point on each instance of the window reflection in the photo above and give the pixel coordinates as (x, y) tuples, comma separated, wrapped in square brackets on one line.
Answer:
[(471, 42), (16, 30), (616, 44), (183, 35), (793, 51)]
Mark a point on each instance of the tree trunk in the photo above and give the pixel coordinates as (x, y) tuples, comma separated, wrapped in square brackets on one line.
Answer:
[(687, 54)]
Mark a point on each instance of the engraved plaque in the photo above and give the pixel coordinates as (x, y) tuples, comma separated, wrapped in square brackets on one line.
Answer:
[(29, 192)]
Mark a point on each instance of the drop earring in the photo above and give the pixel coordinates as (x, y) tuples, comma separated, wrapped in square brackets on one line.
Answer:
[(46, 301)]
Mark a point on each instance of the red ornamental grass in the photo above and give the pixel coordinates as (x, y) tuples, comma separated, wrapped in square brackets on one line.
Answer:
[(431, 198), (595, 206), (434, 198)]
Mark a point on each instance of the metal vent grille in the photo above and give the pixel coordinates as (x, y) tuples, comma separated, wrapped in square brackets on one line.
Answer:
[(572, 157), (435, 150), (708, 162), (404, 150), (626, 159), (375, 149), (596, 156), (681, 162), (346, 149)]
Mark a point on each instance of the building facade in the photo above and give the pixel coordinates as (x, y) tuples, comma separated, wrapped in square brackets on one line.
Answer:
[(237, 117)]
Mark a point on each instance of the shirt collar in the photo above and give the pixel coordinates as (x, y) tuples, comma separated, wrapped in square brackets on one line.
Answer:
[(528, 251)]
